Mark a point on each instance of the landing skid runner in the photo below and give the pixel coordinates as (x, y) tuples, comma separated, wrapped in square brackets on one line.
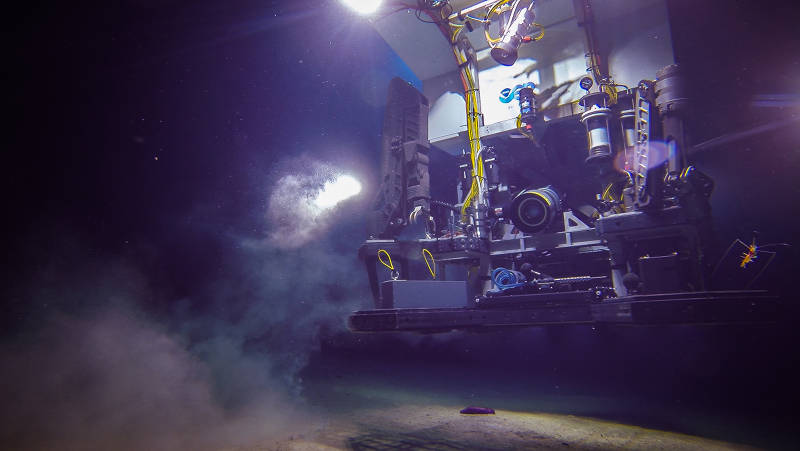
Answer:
[(579, 307)]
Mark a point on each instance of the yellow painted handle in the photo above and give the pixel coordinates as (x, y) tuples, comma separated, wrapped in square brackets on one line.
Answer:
[(426, 254), (388, 257)]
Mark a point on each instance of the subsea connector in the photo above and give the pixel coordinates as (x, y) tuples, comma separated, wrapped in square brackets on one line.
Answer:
[(595, 119)]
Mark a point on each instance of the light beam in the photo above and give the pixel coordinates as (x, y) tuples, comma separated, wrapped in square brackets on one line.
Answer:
[(337, 190), (363, 6)]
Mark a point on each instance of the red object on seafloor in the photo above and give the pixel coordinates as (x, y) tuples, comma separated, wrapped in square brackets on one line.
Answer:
[(472, 410)]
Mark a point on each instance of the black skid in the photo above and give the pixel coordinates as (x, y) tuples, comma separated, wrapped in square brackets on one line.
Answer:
[(579, 307)]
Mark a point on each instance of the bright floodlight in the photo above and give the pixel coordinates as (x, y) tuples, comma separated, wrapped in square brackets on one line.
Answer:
[(337, 190), (363, 6)]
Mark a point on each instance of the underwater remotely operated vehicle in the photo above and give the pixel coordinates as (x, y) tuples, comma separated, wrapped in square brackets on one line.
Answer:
[(540, 180)]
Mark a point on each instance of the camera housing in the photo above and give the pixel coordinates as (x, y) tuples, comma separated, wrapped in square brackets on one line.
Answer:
[(534, 210)]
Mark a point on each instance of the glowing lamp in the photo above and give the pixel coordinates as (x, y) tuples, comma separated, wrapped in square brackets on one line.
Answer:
[(363, 6), (335, 191)]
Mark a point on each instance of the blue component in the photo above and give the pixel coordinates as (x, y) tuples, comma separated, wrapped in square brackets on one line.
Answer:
[(505, 279), (508, 94)]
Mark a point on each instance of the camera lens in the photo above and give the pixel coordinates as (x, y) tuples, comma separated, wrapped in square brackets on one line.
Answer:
[(531, 211), (534, 210)]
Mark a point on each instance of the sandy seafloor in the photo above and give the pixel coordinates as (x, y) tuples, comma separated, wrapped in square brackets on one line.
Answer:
[(369, 407), (441, 427)]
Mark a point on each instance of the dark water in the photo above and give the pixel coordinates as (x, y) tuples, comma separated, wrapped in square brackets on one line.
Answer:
[(160, 295)]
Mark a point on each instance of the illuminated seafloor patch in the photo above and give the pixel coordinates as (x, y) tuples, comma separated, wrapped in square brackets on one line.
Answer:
[(386, 417), (440, 427)]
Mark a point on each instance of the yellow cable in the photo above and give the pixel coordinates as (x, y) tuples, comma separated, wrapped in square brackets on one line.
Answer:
[(611, 91), (388, 265), (493, 41), (490, 39), (470, 102), (541, 34), (425, 254), (521, 130), (473, 122), (607, 190)]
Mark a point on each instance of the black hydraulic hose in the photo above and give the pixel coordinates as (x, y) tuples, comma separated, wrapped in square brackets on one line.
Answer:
[(445, 205)]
